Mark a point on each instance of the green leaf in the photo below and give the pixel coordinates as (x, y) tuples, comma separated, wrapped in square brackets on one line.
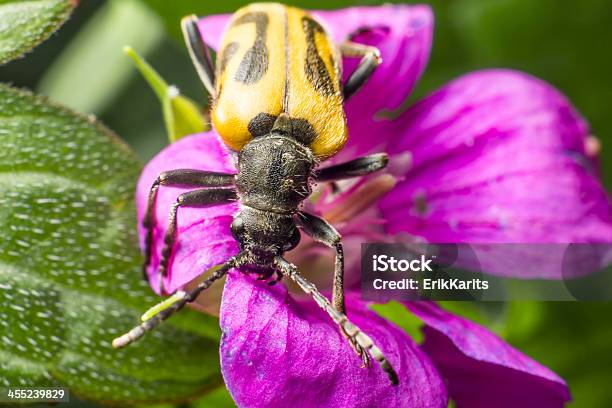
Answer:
[(182, 115), (95, 52), (70, 278), (25, 24)]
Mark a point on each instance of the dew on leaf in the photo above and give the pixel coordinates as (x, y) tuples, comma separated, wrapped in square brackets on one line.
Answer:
[(70, 278)]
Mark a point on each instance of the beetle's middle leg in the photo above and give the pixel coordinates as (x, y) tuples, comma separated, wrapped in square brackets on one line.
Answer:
[(177, 178), (361, 166), (321, 231), (206, 197), (370, 59)]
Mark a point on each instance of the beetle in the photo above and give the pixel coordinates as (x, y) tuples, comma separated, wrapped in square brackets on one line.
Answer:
[(278, 102)]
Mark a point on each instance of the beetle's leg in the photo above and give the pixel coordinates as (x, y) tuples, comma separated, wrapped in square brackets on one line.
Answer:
[(177, 302), (177, 178), (198, 50), (352, 331), (321, 231), (359, 167), (206, 197), (370, 59)]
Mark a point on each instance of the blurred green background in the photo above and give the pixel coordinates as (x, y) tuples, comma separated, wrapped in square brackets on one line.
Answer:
[(566, 43)]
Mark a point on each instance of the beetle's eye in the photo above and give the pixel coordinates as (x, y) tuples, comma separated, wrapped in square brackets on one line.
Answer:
[(293, 241), (237, 228)]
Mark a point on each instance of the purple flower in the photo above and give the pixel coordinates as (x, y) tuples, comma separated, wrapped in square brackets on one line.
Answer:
[(495, 156)]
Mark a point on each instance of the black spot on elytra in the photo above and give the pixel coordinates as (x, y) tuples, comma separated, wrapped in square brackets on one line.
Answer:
[(261, 124), (255, 62), (226, 55), (301, 130), (314, 66)]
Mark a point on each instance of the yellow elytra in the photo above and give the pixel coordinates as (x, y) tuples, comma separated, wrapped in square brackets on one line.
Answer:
[(277, 59)]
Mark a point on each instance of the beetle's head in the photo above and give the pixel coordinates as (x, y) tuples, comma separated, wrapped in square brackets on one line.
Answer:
[(265, 234)]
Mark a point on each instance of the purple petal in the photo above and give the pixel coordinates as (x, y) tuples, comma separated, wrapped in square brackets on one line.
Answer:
[(480, 369), (277, 352), (497, 156), (212, 29), (403, 34), (204, 237)]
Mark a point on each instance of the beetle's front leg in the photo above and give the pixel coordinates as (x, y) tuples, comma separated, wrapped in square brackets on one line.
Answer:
[(358, 339), (198, 198), (177, 178), (321, 231)]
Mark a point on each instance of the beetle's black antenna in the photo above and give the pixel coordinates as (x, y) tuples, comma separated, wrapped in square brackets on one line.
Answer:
[(179, 300), (353, 332)]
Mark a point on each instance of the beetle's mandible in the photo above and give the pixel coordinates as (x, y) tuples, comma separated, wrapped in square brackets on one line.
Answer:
[(278, 103)]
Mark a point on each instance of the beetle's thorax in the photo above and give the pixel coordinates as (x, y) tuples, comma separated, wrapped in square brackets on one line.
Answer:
[(274, 173), (273, 179)]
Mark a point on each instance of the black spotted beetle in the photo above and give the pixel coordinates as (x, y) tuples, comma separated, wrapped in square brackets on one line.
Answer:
[(278, 102)]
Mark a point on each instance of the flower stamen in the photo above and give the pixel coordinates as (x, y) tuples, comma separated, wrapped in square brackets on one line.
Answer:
[(361, 199)]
